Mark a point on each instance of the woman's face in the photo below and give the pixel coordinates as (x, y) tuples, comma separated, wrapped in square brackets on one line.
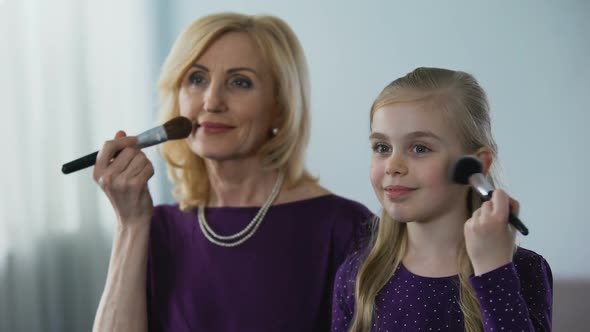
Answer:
[(230, 93)]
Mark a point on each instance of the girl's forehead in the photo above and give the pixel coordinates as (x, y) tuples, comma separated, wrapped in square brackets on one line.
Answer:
[(401, 118)]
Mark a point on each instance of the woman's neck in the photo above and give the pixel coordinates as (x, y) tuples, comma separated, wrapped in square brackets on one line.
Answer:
[(241, 182)]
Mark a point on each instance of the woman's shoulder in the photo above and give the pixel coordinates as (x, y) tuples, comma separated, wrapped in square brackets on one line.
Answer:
[(169, 217), (313, 193), (167, 211)]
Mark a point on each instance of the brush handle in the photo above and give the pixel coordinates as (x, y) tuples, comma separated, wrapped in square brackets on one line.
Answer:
[(512, 218), (517, 223), (149, 137), (80, 163)]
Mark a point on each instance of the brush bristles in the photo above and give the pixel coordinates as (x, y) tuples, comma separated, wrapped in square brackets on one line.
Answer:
[(179, 127), (464, 168)]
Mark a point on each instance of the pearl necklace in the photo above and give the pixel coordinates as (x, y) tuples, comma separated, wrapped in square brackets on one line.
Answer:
[(251, 228)]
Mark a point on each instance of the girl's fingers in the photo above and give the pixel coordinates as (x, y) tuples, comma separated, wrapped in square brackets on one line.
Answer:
[(515, 206), (477, 213), (501, 204)]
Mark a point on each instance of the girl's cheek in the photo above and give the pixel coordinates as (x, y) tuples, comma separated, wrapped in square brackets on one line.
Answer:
[(376, 174)]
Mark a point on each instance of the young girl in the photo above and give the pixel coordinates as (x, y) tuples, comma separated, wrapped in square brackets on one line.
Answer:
[(439, 260)]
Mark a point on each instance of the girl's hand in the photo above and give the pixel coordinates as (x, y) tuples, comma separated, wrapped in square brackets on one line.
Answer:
[(124, 178), (488, 236)]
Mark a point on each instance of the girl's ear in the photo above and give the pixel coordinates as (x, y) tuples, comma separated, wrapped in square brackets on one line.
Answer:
[(486, 157)]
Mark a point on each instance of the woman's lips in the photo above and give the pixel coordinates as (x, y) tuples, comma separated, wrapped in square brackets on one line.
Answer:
[(214, 127)]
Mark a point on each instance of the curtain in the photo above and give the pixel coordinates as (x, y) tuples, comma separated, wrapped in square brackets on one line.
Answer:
[(72, 72)]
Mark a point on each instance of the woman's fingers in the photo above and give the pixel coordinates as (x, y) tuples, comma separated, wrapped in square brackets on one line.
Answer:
[(135, 166), (120, 134), (102, 173), (146, 173), (110, 148)]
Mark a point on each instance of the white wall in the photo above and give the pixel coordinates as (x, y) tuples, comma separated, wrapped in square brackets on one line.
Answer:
[(532, 57)]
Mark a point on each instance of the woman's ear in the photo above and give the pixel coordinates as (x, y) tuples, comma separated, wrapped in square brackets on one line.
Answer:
[(486, 157), (277, 115)]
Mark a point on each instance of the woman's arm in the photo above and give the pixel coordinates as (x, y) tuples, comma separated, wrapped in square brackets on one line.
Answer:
[(123, 303), (123, 177)]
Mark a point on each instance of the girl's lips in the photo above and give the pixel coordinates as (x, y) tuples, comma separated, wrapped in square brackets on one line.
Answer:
[(394, 192)]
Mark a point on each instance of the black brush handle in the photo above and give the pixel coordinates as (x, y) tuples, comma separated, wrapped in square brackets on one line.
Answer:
[(517, 223), (80, 163), (512, 218)]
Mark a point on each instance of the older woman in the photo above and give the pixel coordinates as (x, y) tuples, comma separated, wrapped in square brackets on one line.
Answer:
[(254, 242)]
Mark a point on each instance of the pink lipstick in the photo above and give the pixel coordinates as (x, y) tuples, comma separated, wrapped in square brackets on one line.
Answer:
[(215, 127), (394, 192)]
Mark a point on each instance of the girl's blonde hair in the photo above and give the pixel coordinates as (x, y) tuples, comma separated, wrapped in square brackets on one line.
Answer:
[(281, 49), (465, 104)]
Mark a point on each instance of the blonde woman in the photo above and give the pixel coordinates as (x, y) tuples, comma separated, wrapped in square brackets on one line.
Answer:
[(254, 242), (440, 260)]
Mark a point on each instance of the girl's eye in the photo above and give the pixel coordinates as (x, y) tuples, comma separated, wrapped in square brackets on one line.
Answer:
[(196, 78), (241, 82), (420, 149), (381, 148)]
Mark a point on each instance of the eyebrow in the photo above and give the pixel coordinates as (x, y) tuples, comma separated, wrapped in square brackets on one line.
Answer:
[(412, 135), (229, 71)]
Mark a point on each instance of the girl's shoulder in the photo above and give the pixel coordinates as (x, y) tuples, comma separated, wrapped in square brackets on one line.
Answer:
[(347, 272), (532, 266)]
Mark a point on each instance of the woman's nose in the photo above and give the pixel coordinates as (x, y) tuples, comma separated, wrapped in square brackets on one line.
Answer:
[(214, 99)]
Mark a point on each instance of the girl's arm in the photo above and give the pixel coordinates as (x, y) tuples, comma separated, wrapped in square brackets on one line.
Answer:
[(343, 296), (514, 290), (517, 296)]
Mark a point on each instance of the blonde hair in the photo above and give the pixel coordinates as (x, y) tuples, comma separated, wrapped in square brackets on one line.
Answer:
[(282, 51), (460, 96)]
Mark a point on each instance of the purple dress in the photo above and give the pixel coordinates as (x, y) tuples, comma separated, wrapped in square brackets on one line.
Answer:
[(281, 279), (514, 297)]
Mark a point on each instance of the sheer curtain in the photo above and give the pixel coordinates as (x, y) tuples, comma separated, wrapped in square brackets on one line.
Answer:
[(72, 72)]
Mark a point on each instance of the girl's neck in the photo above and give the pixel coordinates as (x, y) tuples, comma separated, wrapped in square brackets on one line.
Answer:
[(241, 182), (434, 246)]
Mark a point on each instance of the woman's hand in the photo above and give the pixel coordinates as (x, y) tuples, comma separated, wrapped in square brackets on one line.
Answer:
[(124, 178), (488, 236)]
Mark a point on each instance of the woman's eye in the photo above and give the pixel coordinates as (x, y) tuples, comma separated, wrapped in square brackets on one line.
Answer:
[(240, 82), (419, 149), (196, 78), (380, 148)]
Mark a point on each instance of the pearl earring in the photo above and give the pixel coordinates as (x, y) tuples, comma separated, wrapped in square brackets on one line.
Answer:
[(275, 131)]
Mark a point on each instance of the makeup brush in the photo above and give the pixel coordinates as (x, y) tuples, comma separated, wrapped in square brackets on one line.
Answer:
[(468, 171), (176, 128)]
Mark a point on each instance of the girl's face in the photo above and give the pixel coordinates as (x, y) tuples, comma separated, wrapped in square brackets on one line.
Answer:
[(413, 148), (229, 91)]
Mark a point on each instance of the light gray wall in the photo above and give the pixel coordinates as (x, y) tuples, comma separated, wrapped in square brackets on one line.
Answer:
[(532, 57)]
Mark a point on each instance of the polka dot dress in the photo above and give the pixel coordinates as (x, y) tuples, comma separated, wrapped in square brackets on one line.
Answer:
[(514, 297)]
